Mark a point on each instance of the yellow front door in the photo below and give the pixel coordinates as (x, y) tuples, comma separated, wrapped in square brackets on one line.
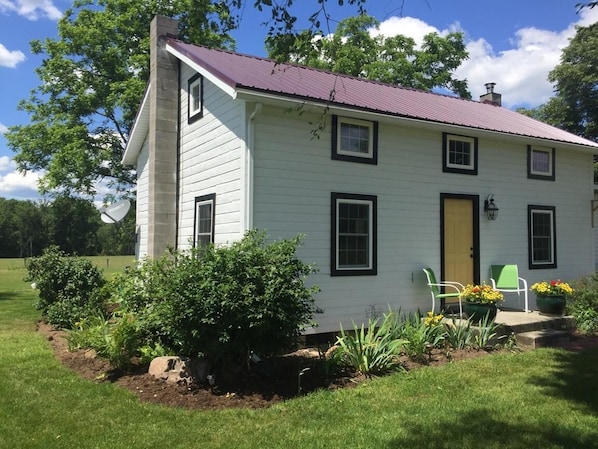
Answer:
[(459, 230)]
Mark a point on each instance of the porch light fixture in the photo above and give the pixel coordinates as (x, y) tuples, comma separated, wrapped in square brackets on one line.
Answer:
[(490, 208)]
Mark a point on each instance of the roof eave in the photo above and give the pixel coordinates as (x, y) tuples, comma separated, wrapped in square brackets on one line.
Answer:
[(252, 94), (139, 131)]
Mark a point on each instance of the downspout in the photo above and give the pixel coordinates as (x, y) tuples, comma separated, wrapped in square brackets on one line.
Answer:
[(249, 172), (177, 193)]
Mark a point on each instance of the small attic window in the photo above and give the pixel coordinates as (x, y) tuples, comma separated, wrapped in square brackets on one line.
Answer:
[(540, 163), (354, 140), (459, 154), (195, 98)]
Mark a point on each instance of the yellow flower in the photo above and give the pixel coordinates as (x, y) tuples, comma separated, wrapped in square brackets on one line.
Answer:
[(484, 294), (432, 320), (552, 288)]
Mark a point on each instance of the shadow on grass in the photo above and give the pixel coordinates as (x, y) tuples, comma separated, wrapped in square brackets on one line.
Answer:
[(482, 428), (23, 295), (572, 377)]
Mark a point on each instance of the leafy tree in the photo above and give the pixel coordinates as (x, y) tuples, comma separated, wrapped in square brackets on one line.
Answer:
[(73, 225), (21, 228), (94, 75), (352, 50), (575, 105)]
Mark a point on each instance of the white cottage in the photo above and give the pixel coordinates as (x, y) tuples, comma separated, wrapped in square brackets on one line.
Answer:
[(382, 180)]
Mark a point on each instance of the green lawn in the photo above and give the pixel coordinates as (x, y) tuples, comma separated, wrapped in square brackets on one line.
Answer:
[(541, 399)]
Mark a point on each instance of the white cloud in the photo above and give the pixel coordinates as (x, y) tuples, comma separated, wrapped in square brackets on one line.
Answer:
[(10, 58), (31, 9), (6, 164), (14, 184), (520, 73), (3, 128)]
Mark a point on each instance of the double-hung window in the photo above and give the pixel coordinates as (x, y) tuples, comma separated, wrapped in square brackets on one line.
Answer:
[(195, 98), (353, 235), (540, 163), (204, 220), (354, 140), (459, 154), (541, 236)]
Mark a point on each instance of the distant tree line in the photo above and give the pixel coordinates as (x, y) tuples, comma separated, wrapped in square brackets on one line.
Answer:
[(72, 224)]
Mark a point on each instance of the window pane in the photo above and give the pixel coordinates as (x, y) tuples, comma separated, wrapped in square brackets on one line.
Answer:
[(354, 138), (540, 161), (542, 237), (204, 223), (196, 97), (353, 235), (459, 153)]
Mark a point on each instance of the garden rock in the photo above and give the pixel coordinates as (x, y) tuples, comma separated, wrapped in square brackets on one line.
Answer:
[(180, 370)]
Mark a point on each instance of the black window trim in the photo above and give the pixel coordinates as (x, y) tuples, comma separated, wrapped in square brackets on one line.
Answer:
[(530, 211), (445, 159), (194, 116), (373, 160), (373, 269), (210, 198), (547, 177)]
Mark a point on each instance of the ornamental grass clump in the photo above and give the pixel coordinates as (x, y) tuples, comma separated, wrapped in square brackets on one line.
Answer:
[(552, 288), (482, 294)]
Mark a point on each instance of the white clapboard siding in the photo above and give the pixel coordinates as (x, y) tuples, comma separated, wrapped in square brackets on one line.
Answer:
[(210, 162), (142, 202), (294, 176)]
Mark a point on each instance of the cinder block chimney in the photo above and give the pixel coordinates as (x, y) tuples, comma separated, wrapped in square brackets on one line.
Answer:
[(162, 139), (490, 96)]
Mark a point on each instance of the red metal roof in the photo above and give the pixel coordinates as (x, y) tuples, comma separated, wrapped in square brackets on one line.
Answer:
[(243, 72)]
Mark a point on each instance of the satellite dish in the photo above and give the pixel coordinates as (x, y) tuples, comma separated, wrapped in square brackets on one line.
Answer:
[(115, 212)]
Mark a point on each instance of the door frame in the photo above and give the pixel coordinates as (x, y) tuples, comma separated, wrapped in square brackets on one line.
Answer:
[(475, 203)]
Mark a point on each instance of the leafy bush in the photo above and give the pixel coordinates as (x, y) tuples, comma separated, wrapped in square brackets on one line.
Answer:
[(68, 286), (372, 351), (222, 302), (583, 303)]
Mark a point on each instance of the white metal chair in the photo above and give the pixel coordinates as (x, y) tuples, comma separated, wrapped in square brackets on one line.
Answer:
[(505, 278), (455, 289)]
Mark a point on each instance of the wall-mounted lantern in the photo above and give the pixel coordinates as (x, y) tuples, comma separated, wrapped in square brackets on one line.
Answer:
[(490, 207)]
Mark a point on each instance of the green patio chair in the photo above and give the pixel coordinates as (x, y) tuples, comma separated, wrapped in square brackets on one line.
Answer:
[(505, 278), (438, 290)]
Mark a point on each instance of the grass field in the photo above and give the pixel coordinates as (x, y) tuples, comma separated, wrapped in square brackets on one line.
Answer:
[(540, 399)]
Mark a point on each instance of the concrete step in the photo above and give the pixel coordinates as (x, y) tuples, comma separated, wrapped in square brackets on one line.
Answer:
[(522, 322), (543, 338)]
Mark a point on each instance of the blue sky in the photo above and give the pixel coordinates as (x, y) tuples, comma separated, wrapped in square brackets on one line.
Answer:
[(512, 43)]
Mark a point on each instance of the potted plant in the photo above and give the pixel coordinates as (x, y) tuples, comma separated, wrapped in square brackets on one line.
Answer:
[(551, 297), (480, 301)]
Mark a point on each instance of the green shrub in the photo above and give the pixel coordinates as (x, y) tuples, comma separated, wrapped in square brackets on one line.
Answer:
[(222, 302), (372, 351), (583, 304), (68, 286)]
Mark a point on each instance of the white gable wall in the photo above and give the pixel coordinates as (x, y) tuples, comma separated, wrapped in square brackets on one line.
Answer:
[(211, 151), (142, 198), (295, 175)]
